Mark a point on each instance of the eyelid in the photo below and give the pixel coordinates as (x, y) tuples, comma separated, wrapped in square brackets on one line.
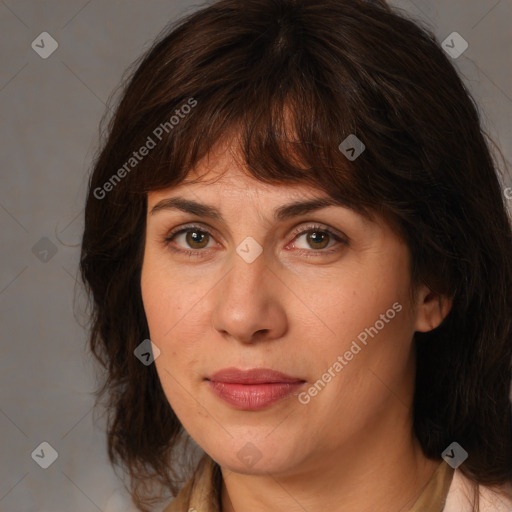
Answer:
[(320, 227), (339, 237), (194, 225)]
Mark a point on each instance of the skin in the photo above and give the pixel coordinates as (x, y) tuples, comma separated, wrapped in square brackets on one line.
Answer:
[(351, 447)]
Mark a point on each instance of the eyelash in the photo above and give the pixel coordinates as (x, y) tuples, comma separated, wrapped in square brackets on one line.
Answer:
[(200, 252)]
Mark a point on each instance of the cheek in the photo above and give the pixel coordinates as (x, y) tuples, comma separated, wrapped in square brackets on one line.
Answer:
[(371, 328), (358, 301), (163, 298), (180, 394), (171, 317), (171, 297)]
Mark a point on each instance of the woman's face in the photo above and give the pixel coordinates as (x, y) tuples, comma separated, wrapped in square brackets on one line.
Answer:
[(322, 296)]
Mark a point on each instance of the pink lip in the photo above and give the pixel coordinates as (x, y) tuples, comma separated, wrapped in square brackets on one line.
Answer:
[(254, 376), (252, 389)]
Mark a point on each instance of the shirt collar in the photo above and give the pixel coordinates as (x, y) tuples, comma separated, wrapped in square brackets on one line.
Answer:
[(202, 492)]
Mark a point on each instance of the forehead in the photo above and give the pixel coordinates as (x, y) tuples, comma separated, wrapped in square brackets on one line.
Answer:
[(223, 176), (221, 183)]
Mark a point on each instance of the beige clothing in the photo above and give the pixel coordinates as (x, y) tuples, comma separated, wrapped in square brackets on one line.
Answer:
[(447, 491)]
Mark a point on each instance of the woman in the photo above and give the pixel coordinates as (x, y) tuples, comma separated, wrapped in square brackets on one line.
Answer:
[(299, 258)]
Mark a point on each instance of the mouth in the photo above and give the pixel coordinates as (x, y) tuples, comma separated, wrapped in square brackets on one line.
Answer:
[(253, 376), (253, 389)]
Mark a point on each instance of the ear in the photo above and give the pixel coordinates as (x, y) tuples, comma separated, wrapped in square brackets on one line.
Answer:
[(431, 309)]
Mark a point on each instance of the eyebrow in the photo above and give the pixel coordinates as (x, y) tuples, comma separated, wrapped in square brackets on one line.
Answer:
[(284, 212)]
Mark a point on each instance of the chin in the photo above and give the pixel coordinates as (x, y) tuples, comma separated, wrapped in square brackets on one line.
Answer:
[(253, 458)]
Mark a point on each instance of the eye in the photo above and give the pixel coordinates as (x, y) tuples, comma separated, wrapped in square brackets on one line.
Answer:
[(197, 239), (318, 238), (194, 237)]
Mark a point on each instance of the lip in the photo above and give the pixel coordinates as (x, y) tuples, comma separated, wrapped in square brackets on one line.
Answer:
[(253, 376), (253, 389)]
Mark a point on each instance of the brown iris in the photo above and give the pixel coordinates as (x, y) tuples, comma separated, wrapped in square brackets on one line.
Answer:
[(194, 238), (314, 237)]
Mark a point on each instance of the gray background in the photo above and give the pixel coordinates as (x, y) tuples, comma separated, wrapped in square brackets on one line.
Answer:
[(50, 111)]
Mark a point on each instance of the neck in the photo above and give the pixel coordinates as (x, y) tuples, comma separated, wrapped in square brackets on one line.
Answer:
[(379, 471)]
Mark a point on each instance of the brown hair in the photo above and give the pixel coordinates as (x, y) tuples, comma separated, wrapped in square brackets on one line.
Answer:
[(292, 79)]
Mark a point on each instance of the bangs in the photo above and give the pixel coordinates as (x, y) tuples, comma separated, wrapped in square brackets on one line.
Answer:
[(278, 140), (285, 112), (291, 104)]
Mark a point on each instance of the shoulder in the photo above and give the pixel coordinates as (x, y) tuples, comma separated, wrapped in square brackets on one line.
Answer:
[(496, 499), (119, 501), (460, 496)]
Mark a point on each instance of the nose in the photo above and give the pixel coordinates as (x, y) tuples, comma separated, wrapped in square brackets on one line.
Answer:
[(249, 302)]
